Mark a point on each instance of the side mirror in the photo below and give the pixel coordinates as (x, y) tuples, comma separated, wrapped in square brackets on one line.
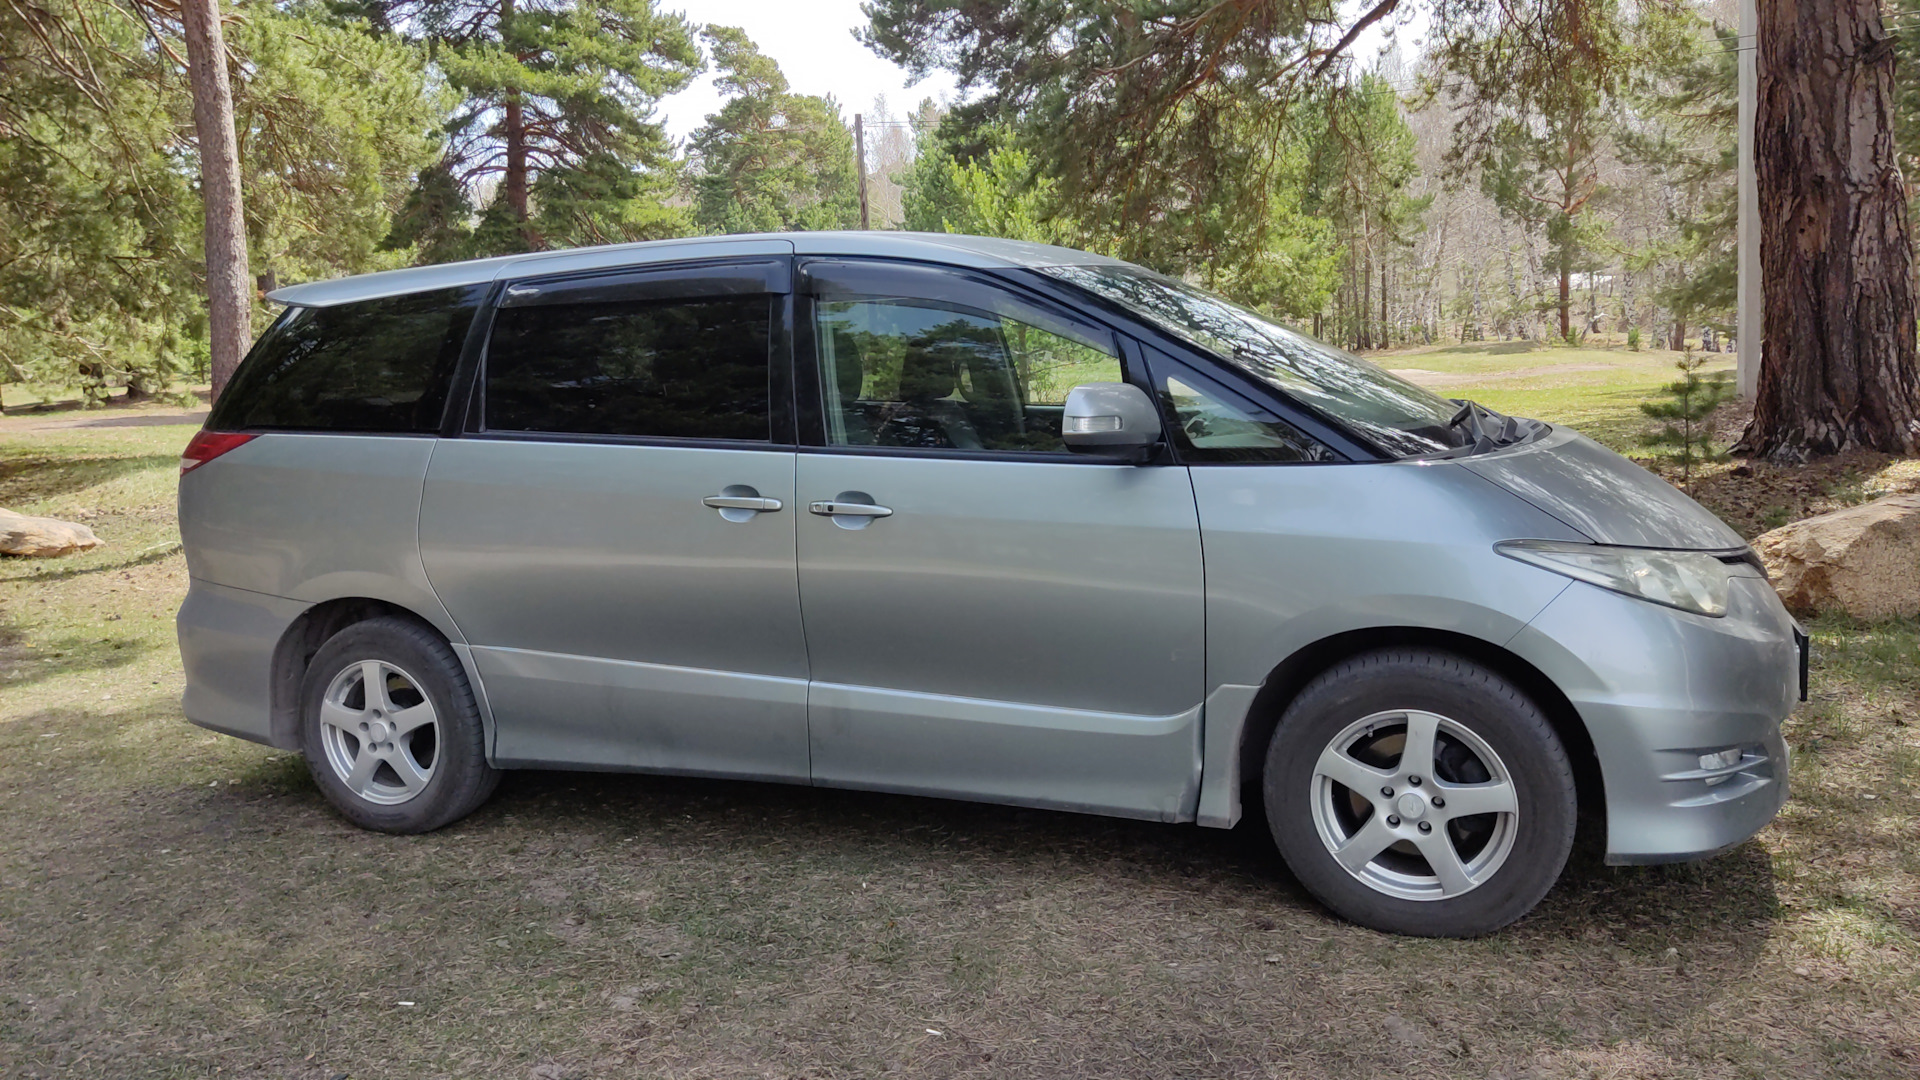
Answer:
[(1111, 419)]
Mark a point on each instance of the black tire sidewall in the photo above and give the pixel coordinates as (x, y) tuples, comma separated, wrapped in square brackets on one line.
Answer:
[(1471, 695), (461, 779)]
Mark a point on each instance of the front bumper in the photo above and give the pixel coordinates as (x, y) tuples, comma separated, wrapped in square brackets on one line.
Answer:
[(1657, 689)]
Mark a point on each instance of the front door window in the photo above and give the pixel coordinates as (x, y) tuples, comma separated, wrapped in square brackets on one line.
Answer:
[(932, 375)]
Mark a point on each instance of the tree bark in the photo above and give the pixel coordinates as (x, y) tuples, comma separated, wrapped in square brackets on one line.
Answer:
[(514, 128), (1366, 298), (229, 300), (1566, 294), (1386, 332), (516, 179), (1840, 366)]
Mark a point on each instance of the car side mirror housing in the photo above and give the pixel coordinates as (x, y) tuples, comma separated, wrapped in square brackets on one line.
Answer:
[(1110, 419)]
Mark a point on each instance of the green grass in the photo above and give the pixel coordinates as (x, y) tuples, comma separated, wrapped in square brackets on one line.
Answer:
[(1598, 390), (174, 903)]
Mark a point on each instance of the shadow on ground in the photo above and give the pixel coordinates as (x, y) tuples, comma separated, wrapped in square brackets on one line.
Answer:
[(621, 925), (30, 477), (23, 663)]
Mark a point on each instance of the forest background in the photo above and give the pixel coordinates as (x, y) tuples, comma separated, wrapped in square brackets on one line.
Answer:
[(1459, 193)]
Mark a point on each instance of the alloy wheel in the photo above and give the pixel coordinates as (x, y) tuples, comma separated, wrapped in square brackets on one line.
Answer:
[(1415, 805), (380, 732)]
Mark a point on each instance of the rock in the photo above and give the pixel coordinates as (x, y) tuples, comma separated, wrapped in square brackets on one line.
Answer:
[(1864, 560), (45, 537)]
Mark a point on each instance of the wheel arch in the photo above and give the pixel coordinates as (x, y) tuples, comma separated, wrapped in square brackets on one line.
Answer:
[(1291, 675), (303, 637)]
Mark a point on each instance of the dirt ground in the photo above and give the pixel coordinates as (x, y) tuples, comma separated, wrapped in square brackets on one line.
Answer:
[(145, 414)]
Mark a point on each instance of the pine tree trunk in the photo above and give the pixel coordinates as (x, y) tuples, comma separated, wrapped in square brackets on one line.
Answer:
[(1386, 333), (1566, 294), (515, 124), (1840, 368), (229, 301), (514, 128), (1366, 299)]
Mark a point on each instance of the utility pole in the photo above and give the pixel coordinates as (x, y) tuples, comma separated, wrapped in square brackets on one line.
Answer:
[(1748, 321), (860, 163)]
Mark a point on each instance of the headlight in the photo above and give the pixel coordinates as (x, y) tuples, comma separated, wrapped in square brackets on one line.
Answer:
[(1693, 581)]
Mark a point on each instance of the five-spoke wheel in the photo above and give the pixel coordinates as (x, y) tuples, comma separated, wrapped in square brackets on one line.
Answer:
[(392, 734), (380, 732), (1418, 792), (1414, 804)]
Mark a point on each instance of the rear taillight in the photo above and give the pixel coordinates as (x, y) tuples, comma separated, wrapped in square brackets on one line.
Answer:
[(208, 445)]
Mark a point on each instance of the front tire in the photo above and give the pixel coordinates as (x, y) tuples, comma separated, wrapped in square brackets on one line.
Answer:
[(1416, 792), (390, 729)]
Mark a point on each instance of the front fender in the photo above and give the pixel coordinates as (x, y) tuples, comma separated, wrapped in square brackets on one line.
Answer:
[(1296, 555)]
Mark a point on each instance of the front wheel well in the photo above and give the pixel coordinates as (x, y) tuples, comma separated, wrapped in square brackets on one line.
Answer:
[(301, 640), (1292, 675)]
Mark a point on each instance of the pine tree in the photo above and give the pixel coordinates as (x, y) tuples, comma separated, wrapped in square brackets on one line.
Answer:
[(927, 196), (335, 124), (101, 271), (1842, 370), (1536, 122), (1688, 402), (997, 193), (1361, 164), (1162, 123), (770, 159), (1686, 105), (222, 210), (556, 102)]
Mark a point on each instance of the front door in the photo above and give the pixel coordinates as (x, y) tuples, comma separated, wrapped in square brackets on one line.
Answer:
[(615, 538), (988, 615)]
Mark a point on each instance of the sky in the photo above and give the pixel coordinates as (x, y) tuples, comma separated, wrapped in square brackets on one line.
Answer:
[(812, 40)]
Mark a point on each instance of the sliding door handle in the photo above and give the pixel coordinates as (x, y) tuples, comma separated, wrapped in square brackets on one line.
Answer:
[(738, 502), (835, 508), (742, 502)]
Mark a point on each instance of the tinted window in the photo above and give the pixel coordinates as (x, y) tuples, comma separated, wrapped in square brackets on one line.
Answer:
[(379, 365), (918, 373), (686, 369), (1389, 411)]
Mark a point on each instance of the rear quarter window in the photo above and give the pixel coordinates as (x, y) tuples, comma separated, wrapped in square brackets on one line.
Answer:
[(375, 366)]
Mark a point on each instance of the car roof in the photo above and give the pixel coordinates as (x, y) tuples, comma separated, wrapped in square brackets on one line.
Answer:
[(979, 252)]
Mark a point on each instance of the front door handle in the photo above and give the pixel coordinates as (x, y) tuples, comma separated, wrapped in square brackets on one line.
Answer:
[(835, 508)]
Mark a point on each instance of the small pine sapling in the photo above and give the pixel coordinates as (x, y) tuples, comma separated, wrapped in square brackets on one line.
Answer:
[(1685, 405)]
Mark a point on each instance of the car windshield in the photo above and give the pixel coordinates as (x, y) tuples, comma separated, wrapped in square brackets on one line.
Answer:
[(1394, 414)]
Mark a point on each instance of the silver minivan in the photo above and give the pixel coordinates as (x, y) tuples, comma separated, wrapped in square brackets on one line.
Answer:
[(974, 519)]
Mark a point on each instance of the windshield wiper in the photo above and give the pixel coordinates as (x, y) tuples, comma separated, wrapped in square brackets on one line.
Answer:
[(1476, 418)]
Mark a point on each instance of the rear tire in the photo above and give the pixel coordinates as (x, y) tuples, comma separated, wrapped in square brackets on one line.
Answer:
[(390, 729), (1455, 835)]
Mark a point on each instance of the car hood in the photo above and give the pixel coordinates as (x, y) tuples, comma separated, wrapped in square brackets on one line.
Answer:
[(1596, 491)]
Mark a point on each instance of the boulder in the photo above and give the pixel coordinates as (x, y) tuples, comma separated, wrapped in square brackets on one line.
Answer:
[(1864, 560), (42, 536)]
